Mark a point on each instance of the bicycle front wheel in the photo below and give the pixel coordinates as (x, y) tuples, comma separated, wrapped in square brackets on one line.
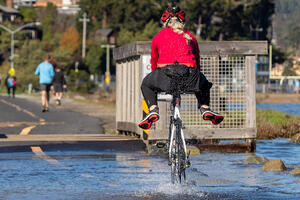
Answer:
[(180, 155), (173, 159)]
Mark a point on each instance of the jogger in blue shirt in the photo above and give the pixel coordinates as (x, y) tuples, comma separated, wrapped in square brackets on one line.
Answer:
[(45, 72)]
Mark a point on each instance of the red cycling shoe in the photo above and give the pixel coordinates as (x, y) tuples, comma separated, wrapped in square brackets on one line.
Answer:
[(152, 116), (208, 114)]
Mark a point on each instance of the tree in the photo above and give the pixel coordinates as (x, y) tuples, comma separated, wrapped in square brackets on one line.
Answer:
[(150, 30), (47, 16), (288, 68), (259, 16), (293, 36), (279, 56), (132, 15), (30, 55), (70, 40), (200, 15), (125, 37), (4, 42), (48, 32), (93, 59), (227, 19), (62, 58), (286, 18), (28, 13)]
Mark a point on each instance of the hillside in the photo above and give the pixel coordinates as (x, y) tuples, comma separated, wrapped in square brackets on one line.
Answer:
[(287, 24)]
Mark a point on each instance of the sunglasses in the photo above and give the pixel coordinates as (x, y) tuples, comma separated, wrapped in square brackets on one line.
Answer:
[(174, 20)]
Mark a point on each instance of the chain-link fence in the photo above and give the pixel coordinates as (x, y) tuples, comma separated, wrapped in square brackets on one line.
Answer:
[(227, 96)]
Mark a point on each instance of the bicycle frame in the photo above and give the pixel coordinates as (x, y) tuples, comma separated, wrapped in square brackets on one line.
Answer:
[(176, 117), (175, 136)]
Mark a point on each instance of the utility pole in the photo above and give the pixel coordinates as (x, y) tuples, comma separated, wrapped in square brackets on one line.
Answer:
[(257, 29), (107, 73), (84, 20)]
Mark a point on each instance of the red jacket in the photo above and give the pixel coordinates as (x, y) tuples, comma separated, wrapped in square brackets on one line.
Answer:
[(168, 47)]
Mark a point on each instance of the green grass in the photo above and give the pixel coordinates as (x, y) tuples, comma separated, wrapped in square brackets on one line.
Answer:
[(272, 124), (275, 117)]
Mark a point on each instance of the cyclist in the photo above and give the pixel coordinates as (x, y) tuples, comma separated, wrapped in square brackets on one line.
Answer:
[(175, 59)]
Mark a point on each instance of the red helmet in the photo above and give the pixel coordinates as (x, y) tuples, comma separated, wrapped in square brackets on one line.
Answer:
[(173, 12)]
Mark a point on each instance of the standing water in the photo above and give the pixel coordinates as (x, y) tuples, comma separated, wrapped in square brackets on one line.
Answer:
[(136, 175), (94, 175), (291, 108)]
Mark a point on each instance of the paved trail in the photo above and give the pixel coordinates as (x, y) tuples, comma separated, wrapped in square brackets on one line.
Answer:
[(19, 116), (23, 125)]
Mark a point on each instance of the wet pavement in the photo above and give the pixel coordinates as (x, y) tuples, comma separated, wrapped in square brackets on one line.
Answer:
[(122, 169), (83, 173)]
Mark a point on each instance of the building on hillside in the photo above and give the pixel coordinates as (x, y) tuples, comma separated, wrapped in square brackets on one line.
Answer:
[(13, 16), (262, 69), (8, 14), (277, 70), (104, 35), (70, 7), (63, 6), (296, 65), (17, 3), (58, 3)]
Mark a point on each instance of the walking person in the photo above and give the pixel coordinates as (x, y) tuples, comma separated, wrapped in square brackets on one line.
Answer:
[(11, 84), (0, 81), (59, 84), (14, 88), (45, 72), (175, 58)]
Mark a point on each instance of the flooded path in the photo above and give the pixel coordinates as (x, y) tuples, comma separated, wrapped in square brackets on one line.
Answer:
[(87, 174), (94, 174)]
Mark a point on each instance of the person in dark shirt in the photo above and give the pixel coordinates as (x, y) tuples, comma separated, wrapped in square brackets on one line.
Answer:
[(11, 84), (59, 83)]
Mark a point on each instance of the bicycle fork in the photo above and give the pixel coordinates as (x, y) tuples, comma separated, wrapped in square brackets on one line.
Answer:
[(173, 125)]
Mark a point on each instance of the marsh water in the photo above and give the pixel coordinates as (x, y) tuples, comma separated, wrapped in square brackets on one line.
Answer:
[(89, 174), (291, 108)]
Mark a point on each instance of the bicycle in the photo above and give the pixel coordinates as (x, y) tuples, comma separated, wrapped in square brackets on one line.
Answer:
[(178, 155)]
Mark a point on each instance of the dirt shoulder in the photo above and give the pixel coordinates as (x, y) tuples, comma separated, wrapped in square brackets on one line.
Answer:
[(277, 98)]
